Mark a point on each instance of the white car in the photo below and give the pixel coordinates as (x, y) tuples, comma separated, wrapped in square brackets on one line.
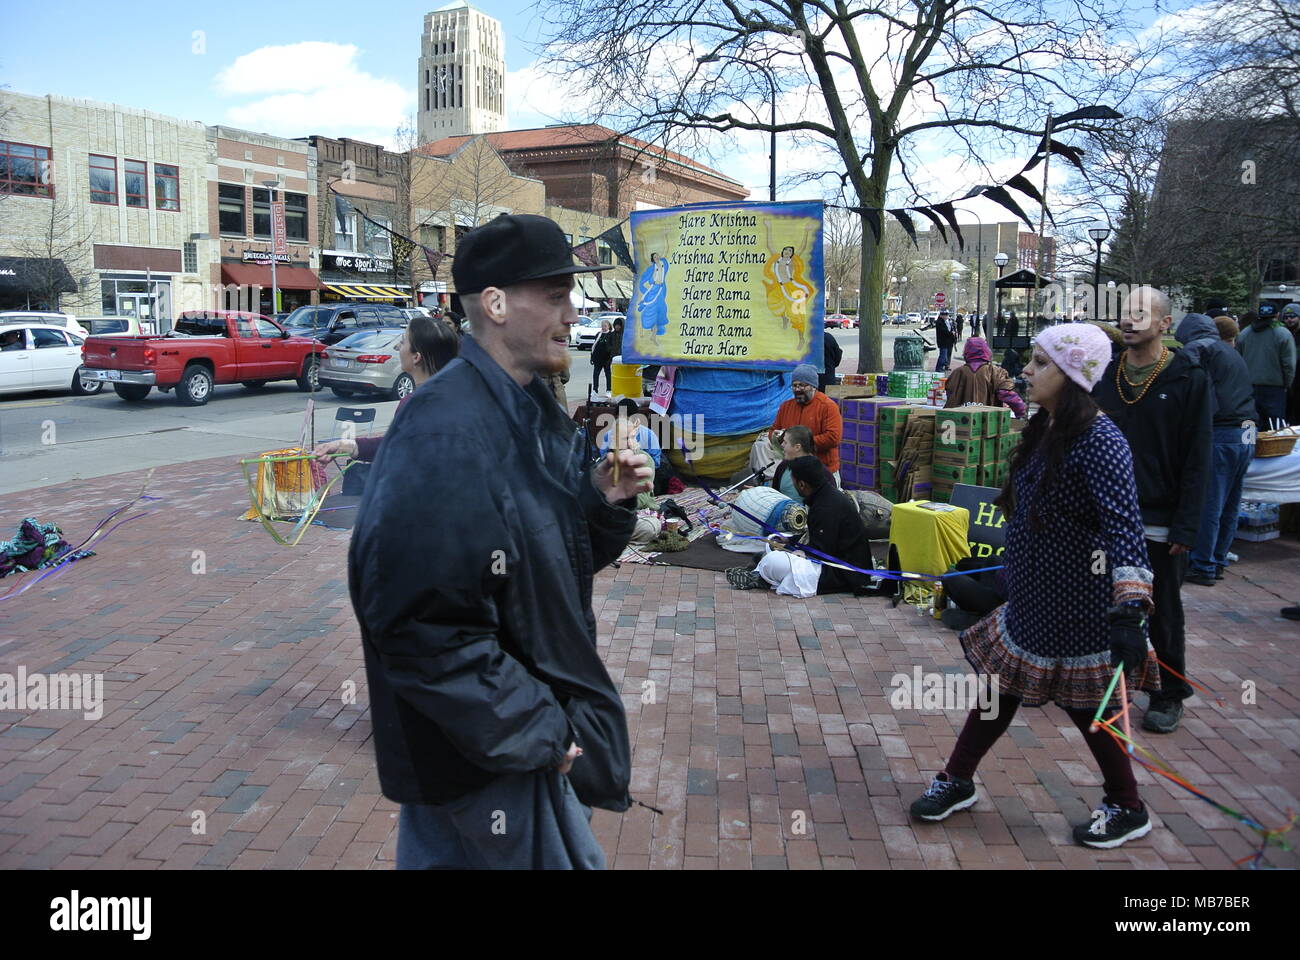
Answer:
[(583, 334), (112, 326), (42, 356), (65, 320)]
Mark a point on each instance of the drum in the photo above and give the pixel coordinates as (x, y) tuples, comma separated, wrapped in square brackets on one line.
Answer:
[(769, 505)]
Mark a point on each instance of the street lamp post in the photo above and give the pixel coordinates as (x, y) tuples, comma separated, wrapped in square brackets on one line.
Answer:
[(1001, 261), (275, 290), (1098, 232), (771, 86)]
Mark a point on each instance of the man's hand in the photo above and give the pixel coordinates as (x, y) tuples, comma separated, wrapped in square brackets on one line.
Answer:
[(325, 451), (1176, 548), (635, 475), (574, 753)]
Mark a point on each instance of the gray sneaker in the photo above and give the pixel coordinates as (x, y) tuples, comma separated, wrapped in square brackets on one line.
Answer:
[(743, 578), (1162, 716)]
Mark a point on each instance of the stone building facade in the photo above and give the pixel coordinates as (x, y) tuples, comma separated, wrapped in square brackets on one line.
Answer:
[(103, 209)]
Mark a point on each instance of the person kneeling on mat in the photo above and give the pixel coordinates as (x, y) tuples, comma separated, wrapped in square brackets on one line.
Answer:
[(835, 528)]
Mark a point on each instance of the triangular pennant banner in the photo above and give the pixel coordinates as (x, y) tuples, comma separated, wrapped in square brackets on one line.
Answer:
[(1021, 183), (999, 195), (948, 213), (586, 253), (1073, 154), (614, 237), (872, 217), (902, 217), (402, 248), (434, 258), (933, 218)]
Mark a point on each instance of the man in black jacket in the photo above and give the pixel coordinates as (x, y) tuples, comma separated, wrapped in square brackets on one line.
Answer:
[(831, 357), (835, 528), (1233, 444), (1161, 400), (470, 571), (944, 339)]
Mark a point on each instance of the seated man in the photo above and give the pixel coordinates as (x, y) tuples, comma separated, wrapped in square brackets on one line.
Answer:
[(816, 411), (640, 435), (796, 442), (835, 528), (13, 340)]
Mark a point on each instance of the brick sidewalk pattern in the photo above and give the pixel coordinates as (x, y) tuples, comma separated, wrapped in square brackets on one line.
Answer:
[(771, 744)]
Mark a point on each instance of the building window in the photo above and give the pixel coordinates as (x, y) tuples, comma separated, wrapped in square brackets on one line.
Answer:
[(345, 233), (377, 240), (134, 175), (190, 254), (166, 186), (230, 209), (103, 179), (295, 216), (433, 237), (605, 251), (261, 212), (25, 170)]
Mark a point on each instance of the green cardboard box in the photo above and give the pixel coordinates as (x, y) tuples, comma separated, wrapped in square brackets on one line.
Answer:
[(940, 490), (990, 448), (951, 474), (966, 452)]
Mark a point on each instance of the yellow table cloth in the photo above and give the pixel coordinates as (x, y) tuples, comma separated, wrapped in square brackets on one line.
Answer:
[(926, 541)]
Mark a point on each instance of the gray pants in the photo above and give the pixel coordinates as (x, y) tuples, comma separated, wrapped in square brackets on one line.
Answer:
[(523, 821)]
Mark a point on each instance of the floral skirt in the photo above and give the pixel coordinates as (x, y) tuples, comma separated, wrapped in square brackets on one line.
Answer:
[(1075, 683)]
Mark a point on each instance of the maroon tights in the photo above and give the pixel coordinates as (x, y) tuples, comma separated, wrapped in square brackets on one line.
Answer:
[(980, 734)]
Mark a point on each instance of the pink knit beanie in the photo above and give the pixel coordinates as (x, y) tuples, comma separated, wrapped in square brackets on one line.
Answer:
[(1081, 350)]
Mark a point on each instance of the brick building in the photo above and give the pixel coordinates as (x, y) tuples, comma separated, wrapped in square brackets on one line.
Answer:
[(593, 169), (245, 173), (104, 209)]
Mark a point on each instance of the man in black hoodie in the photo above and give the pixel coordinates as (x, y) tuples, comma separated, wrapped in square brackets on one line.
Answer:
[(1162, 401), (1233, 443)]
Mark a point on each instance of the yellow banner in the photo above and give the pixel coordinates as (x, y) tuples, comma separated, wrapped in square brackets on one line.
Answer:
[(730, 284)]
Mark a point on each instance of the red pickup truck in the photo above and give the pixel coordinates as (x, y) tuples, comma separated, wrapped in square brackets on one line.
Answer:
[(205, 348)]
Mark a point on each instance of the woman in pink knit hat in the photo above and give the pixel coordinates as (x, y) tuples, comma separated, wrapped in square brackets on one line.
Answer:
[(1078, 585)]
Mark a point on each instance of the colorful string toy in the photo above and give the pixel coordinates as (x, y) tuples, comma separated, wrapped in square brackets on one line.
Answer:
[(313, 505), (1123, 736), (100, 533)]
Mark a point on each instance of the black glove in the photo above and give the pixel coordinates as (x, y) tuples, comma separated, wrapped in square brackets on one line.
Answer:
[(1128, 640)]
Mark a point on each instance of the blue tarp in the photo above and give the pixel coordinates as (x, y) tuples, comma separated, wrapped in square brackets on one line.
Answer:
[(730, 401)]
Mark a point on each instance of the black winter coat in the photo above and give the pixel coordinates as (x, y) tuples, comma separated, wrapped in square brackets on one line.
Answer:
[(1169, 432), (470, 571), (1233, 395), (602, 351), (835, 528)]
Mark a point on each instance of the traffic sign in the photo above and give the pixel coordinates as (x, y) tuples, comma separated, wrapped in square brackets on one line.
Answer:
[(940, 299)]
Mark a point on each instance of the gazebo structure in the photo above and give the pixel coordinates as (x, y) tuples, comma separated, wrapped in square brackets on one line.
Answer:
[(1026, 280)]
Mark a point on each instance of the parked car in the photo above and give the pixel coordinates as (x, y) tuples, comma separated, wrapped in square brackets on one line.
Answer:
[(42, 356), (331, 322), (65, 320), (112, 326), (899, 319), (205, 348), (914, 317), (412, 312), (583, 334), (836, 321), (367, 363)]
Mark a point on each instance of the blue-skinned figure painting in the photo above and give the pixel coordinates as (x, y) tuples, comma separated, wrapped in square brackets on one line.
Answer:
[(653, 309)]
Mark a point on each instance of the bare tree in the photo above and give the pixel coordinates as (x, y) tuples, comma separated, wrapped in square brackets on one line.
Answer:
[(58, 248), (842, 253), (874, 80)]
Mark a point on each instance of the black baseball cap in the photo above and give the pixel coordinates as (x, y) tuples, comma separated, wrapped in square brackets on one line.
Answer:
[(511, 249)]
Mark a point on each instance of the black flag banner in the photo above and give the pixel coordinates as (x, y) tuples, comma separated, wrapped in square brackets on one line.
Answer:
[(998, 193)]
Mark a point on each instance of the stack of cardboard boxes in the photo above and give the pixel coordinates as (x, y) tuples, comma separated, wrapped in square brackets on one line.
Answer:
[(906, 452), (972, 445), (860, 444)]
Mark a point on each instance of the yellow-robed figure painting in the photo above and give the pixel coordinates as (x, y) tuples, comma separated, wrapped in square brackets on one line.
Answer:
[(789, 289)]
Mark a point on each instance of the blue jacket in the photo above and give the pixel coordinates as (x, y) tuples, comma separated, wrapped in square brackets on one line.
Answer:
[(470, 571), (1234, 400)]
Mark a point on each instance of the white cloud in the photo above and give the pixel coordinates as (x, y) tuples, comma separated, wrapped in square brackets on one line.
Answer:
[(314, 87)]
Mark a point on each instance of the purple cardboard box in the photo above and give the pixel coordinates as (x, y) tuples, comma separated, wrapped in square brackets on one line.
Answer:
[(850, 434), (848, 452), (867, 454), (848, 472), (867, 476), (867, 433)]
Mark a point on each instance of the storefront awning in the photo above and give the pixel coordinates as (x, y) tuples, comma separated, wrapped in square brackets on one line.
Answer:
[(257, 275), (356, 291), (22, 275)]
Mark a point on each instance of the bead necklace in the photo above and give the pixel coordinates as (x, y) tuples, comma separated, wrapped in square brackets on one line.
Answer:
[(1145, 384)]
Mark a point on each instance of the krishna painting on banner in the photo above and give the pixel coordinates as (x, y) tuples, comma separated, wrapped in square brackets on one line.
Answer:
[(736, 285)]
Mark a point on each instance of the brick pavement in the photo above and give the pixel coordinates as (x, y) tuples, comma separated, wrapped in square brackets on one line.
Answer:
[(772, 744)]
